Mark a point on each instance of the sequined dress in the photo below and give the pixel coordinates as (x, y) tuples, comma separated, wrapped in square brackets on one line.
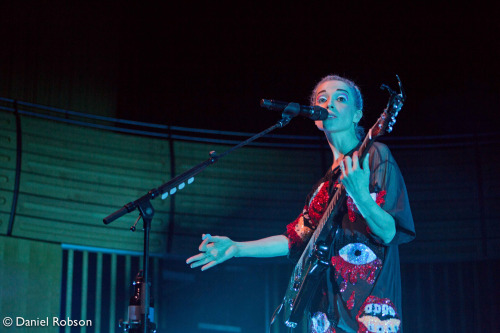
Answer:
[(361, 291)]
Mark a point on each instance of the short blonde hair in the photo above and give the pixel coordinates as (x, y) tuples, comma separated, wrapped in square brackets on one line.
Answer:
[(358, 98)]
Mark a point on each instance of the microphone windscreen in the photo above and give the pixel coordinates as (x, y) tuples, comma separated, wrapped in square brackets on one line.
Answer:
[(273, 105)]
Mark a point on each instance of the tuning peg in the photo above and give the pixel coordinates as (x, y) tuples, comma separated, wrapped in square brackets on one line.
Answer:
[(401, 90)]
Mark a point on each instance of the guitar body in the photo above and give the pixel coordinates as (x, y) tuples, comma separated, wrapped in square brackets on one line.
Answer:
[(294, 302), (312, 264)]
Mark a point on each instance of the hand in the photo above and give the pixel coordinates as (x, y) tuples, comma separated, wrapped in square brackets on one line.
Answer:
[(215, 249), (355, 179)]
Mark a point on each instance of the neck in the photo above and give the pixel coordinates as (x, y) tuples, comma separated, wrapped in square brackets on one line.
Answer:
[(341, 144)]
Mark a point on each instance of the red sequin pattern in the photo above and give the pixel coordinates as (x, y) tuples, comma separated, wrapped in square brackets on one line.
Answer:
[(381, 198), (351, 272), (352, 210), (297, 231), (318, 205), (350, 301), (292, 234)]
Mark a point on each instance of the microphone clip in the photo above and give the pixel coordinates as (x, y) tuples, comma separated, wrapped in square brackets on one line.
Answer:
[(284, 121), (292, 110)]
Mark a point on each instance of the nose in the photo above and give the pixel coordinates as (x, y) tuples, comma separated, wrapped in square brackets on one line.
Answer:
[(329, 104)]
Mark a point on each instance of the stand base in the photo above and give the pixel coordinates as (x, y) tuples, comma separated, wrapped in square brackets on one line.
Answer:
[(135, 327)]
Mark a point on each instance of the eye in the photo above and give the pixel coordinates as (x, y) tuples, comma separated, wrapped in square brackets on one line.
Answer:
[(321, 99), (357, 254), (342, 98)]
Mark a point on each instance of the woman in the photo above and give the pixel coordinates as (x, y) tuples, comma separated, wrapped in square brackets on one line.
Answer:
[(362, 288)]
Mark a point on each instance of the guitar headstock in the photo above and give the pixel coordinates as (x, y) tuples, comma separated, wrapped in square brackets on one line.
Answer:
[(387, 119)]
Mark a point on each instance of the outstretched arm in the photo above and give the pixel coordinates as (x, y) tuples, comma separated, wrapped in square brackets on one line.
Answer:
[(217, 249)]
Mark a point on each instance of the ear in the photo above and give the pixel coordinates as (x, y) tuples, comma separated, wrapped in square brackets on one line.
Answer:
[(357, 116)]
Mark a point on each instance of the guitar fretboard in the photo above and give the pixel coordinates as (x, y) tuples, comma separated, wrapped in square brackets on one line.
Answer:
[(339, 195)]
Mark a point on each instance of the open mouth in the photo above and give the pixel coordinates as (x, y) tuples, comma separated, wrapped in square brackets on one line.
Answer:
[(378, 315)]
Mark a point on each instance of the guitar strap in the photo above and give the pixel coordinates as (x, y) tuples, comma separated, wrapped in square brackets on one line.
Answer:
[(332, 289)]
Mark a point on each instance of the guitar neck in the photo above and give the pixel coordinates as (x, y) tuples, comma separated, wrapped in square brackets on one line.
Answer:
[(365, 146), (321, 233)]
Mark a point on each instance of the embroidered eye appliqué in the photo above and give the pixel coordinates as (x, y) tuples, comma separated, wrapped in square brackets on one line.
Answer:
[(357, 254), (356, 260)]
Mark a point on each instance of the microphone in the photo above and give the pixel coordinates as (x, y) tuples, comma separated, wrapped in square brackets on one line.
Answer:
[(294, 109)]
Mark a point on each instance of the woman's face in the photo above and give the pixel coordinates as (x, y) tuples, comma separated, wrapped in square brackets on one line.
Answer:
[(338, 98)]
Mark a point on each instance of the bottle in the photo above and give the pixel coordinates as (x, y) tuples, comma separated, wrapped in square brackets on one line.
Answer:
[(134, 305)]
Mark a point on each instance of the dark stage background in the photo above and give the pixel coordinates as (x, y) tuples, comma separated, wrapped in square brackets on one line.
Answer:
[(207, 65)]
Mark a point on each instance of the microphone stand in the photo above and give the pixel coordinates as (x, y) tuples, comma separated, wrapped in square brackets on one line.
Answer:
[(146, 210)]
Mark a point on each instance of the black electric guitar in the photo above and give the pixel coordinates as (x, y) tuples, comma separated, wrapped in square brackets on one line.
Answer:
[(314, 260)]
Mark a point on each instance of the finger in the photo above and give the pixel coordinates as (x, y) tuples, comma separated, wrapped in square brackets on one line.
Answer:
[(203, 245), (200, 262), (211, 243), (341, 180), (195, 258), (348, 164), (366, 162), (355, 161), (342, 169), (209, 265), (216, 239)]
